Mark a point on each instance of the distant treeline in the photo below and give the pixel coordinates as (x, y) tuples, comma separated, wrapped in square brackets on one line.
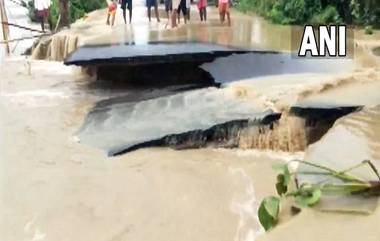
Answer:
[(316, 12), (78, 8)]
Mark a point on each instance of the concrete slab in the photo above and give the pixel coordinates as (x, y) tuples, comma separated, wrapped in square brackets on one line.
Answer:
[(151, 53)]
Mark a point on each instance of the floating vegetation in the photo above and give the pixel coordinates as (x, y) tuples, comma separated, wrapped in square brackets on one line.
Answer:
[(309, 194)]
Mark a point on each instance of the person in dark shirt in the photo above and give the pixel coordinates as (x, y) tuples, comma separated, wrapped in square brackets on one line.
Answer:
[(149, 5), (168, 7), (126, 4), (182, 8)]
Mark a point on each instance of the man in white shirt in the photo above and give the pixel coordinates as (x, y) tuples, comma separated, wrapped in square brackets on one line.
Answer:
[(42, 11)]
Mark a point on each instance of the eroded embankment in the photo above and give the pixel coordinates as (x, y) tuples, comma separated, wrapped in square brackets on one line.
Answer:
[(284, 112), (290, 131), (56, 47)]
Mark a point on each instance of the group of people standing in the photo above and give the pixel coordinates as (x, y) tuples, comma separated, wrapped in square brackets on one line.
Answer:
[(173, 9)]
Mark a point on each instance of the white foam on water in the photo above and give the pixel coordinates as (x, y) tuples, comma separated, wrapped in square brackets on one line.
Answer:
[(126, 124), (246, 207)]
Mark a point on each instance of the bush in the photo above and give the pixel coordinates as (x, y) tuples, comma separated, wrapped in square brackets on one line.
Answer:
[(362, 12), (288, 12), (366, 12), (329, 15), (368, 30), (262, 7), (283, 11), (78, 8)]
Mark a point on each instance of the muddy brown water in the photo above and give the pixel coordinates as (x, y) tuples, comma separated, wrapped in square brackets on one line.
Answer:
[(54, 188), (376, 51)]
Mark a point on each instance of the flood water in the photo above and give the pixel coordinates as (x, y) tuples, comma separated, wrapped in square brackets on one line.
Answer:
[(59, 184), (114, 125)]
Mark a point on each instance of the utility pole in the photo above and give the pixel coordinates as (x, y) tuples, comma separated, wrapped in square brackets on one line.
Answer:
[(5, 27)]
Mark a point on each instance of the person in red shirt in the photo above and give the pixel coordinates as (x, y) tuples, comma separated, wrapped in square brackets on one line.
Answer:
[(224, 9), (112, 7), (202, 5)]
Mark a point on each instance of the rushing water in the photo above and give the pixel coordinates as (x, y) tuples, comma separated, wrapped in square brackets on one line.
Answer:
[(117, 126), (53, 188)]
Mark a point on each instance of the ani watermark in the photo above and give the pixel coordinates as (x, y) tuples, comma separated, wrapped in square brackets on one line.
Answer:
[(335, 41)]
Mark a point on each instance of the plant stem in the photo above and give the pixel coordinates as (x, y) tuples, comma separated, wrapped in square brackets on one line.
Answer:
[(350, 188), (341, 175)]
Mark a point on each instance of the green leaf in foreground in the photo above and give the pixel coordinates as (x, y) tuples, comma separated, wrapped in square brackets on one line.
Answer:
[(283, 178), (281, 187), (268, 212), (308, 196)]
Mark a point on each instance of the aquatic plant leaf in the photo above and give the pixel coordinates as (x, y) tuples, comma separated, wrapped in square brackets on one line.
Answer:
[(268, 212), (281, 187), (283, 178), (309, 197), (284, 170)]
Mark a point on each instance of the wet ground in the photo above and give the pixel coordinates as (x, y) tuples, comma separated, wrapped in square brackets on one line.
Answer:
[(246, 32)]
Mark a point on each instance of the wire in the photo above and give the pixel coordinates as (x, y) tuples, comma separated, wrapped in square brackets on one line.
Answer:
[(22, 27)]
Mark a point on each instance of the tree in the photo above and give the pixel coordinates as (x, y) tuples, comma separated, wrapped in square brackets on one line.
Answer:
[(64, 11)]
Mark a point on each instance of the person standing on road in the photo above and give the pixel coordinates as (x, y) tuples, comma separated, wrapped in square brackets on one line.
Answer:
[(175, 5), (149, 5), (224, 9), (42, 12), (126, 4), (112, 8), (168, 8), (188, 5), (202, 5), (182, 8)]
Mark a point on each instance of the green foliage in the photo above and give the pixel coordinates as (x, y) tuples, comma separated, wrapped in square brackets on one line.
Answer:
[(78, 8), (368, 30), (364, 12), (54, 12), (308, 195), (283, 179), (329, 15), (268, 212)]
